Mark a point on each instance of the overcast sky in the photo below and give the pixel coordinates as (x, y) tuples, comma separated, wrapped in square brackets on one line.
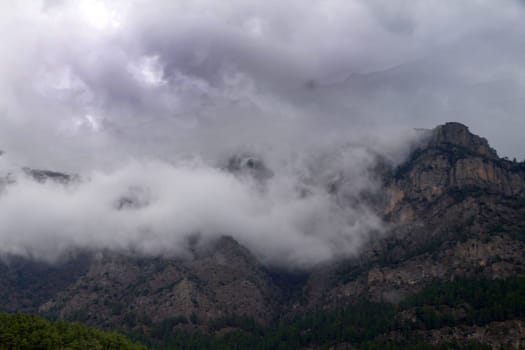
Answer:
[(80, 78), (125, 92)]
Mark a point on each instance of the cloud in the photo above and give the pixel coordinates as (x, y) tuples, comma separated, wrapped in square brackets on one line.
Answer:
[(182, 72), (93, 86), (156, 208)]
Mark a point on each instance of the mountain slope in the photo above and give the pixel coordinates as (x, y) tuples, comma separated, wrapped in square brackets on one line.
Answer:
[(118, 290), (454, 211)]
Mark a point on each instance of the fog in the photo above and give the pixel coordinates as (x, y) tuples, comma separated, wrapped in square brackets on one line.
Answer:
[(150, 99)]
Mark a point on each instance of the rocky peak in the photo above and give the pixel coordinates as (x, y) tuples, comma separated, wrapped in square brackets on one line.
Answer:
[(457, 134), (454, 163)]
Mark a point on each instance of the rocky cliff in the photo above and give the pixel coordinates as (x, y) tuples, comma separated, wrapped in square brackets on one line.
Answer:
[(454, 208)]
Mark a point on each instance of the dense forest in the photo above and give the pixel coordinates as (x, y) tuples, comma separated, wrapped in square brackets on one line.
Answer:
[(22, 331)]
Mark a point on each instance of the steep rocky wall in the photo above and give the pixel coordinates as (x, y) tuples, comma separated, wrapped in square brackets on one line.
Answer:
[(454, 209), (453, 160)]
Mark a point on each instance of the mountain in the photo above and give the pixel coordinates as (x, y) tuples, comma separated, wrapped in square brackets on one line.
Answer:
[(455, 210), (455, 213)]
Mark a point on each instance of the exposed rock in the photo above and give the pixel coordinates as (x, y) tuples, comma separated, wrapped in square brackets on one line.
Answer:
[(457, 134), (467, 163), (455, 210), (220, 281)]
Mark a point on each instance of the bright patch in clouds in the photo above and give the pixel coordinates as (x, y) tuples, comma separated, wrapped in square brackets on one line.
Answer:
[(98, 15), (148, 70), (88, 122)]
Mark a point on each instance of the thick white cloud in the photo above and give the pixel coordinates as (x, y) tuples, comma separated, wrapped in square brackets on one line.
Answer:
[(155, 208)]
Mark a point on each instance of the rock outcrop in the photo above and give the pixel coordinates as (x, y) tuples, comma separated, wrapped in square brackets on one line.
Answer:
[(458, 135), (454, 208), (456, 158)]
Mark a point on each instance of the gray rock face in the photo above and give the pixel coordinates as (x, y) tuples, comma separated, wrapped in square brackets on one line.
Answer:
[(457, 134), (220, 281), (454, 209), (453, 160)]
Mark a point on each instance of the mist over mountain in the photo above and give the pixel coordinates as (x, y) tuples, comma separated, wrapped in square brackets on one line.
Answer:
[(284, 213), (266, 174)]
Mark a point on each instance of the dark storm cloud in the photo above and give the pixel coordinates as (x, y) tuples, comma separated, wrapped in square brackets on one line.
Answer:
[(132, 93)]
